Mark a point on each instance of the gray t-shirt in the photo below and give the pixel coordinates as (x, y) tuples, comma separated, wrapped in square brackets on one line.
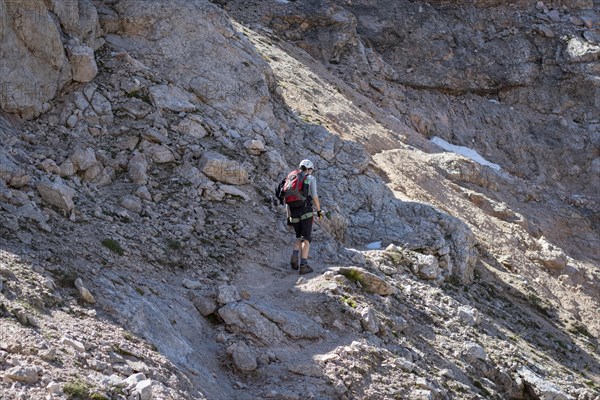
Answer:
[(312, 186)]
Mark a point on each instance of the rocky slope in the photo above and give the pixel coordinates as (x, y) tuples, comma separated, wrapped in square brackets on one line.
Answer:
[(142, 256)]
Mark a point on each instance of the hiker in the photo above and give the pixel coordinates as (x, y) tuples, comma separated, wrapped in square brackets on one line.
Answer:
[(300, 213)]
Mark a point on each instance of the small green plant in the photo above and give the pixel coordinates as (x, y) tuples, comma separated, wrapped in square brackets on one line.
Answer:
[(98, 396), (174, 244), (77, 389), (140, 291), (113, 246), (353, 275), (579, 328), (349, 301), (480, 386)]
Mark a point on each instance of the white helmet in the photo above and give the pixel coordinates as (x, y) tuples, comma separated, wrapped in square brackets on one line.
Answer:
[(307, 164)]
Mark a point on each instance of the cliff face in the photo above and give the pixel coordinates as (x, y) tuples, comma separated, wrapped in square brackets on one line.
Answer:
[(141, 255)]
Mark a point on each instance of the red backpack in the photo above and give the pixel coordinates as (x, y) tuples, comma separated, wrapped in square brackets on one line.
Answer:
[(295, 189)]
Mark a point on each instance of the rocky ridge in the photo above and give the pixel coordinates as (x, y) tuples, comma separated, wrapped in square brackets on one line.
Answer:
[(134, 213)]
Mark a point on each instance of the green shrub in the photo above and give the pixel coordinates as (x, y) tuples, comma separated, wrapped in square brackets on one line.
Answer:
[(77, 389), (353, 275), (113, 246)]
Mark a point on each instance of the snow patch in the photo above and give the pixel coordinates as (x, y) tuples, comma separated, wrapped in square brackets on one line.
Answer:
[(464, 151), (374, 245)]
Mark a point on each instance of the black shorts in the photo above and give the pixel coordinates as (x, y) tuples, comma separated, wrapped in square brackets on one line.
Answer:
[(303, 228)]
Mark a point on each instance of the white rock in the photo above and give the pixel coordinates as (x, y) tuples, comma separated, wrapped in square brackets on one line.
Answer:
[(21, 373), (221, 169), (57, 194), (144, 389), (78, 346), (143, 193), (255, 147), (83, 63), (72, 121), (191, 284), (131, 203), (228, 294), (85, 294), (370, 322), (137, 169), (474, 351), (469, 315)]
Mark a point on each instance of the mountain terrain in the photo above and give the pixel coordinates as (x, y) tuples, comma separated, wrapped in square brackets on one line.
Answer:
[(456, 144)]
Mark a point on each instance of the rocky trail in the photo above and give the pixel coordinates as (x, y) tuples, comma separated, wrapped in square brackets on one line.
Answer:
[(141, 255)]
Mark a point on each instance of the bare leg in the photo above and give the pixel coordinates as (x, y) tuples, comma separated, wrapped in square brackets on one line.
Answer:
[(305, 249), (298, 244)]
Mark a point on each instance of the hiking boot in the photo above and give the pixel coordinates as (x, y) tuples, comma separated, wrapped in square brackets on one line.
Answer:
[(305, 269), (294, 262)]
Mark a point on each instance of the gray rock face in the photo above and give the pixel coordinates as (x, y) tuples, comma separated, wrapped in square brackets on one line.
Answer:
[(34, 63), (193, 48), (171, 98)]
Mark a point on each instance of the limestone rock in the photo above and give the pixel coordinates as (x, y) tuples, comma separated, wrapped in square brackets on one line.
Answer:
[(369, 281), (228, 294), (370, 322), (85, 294), (160, 154), (57, 194), (473, 351), (549, 255), (83, 159), (192, 126), (137, 168), (221, 169), (131, 203), (243, 357), (83, 63), (144, 389), (27, 374), (171, 98), (469, 315), (255, 147), (241, 316), (204, 305), (543, 389), (77, 345), (427, 266)]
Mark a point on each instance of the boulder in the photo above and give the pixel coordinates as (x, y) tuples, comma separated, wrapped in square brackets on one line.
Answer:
[(221, 169), (538, 386), (76, 345), (83, 63), (370, 322), (369, 281), (243, 357), (242, 317), (427, 267), (85, 294), (57, 194), (255, 147), (137, 168), (23, 373), (228, 294), (83, 159)]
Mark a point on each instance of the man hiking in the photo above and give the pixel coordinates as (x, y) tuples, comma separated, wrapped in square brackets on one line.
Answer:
[(300, 194)]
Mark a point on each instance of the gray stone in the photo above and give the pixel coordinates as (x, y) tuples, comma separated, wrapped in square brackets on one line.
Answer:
[(85, 294), (243, 357), (369, 281), (160, 154), (57, 194), (131, 203), (144, 389), (228, 294), (171, 98), (427, 266), (473, 351), (83, 63), (542, 389), (222, 169), (137, 168), (191, 126), (242, 317), (78, 346), (22, 373), (370, 322), (190, 284)]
